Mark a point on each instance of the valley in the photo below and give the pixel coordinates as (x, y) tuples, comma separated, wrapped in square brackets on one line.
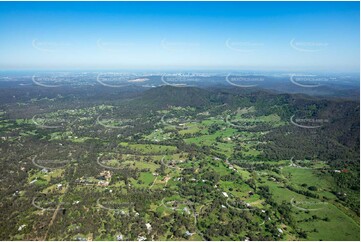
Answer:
[(231, 166)]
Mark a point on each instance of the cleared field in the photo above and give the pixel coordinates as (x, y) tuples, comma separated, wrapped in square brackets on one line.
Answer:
[(310, 177), (304, 208), (158, 135), (145, 180), (190, 128), (150, 148)]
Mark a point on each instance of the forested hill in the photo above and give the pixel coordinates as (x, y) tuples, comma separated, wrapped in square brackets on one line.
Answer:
[(337, 137), (161, 97)]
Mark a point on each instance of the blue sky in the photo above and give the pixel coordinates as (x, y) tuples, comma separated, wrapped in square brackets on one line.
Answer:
[(290, 36)]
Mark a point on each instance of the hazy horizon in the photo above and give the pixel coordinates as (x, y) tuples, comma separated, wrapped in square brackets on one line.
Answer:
[(256, 36)]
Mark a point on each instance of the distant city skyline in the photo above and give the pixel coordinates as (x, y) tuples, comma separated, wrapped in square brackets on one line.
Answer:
[(267, 36)]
